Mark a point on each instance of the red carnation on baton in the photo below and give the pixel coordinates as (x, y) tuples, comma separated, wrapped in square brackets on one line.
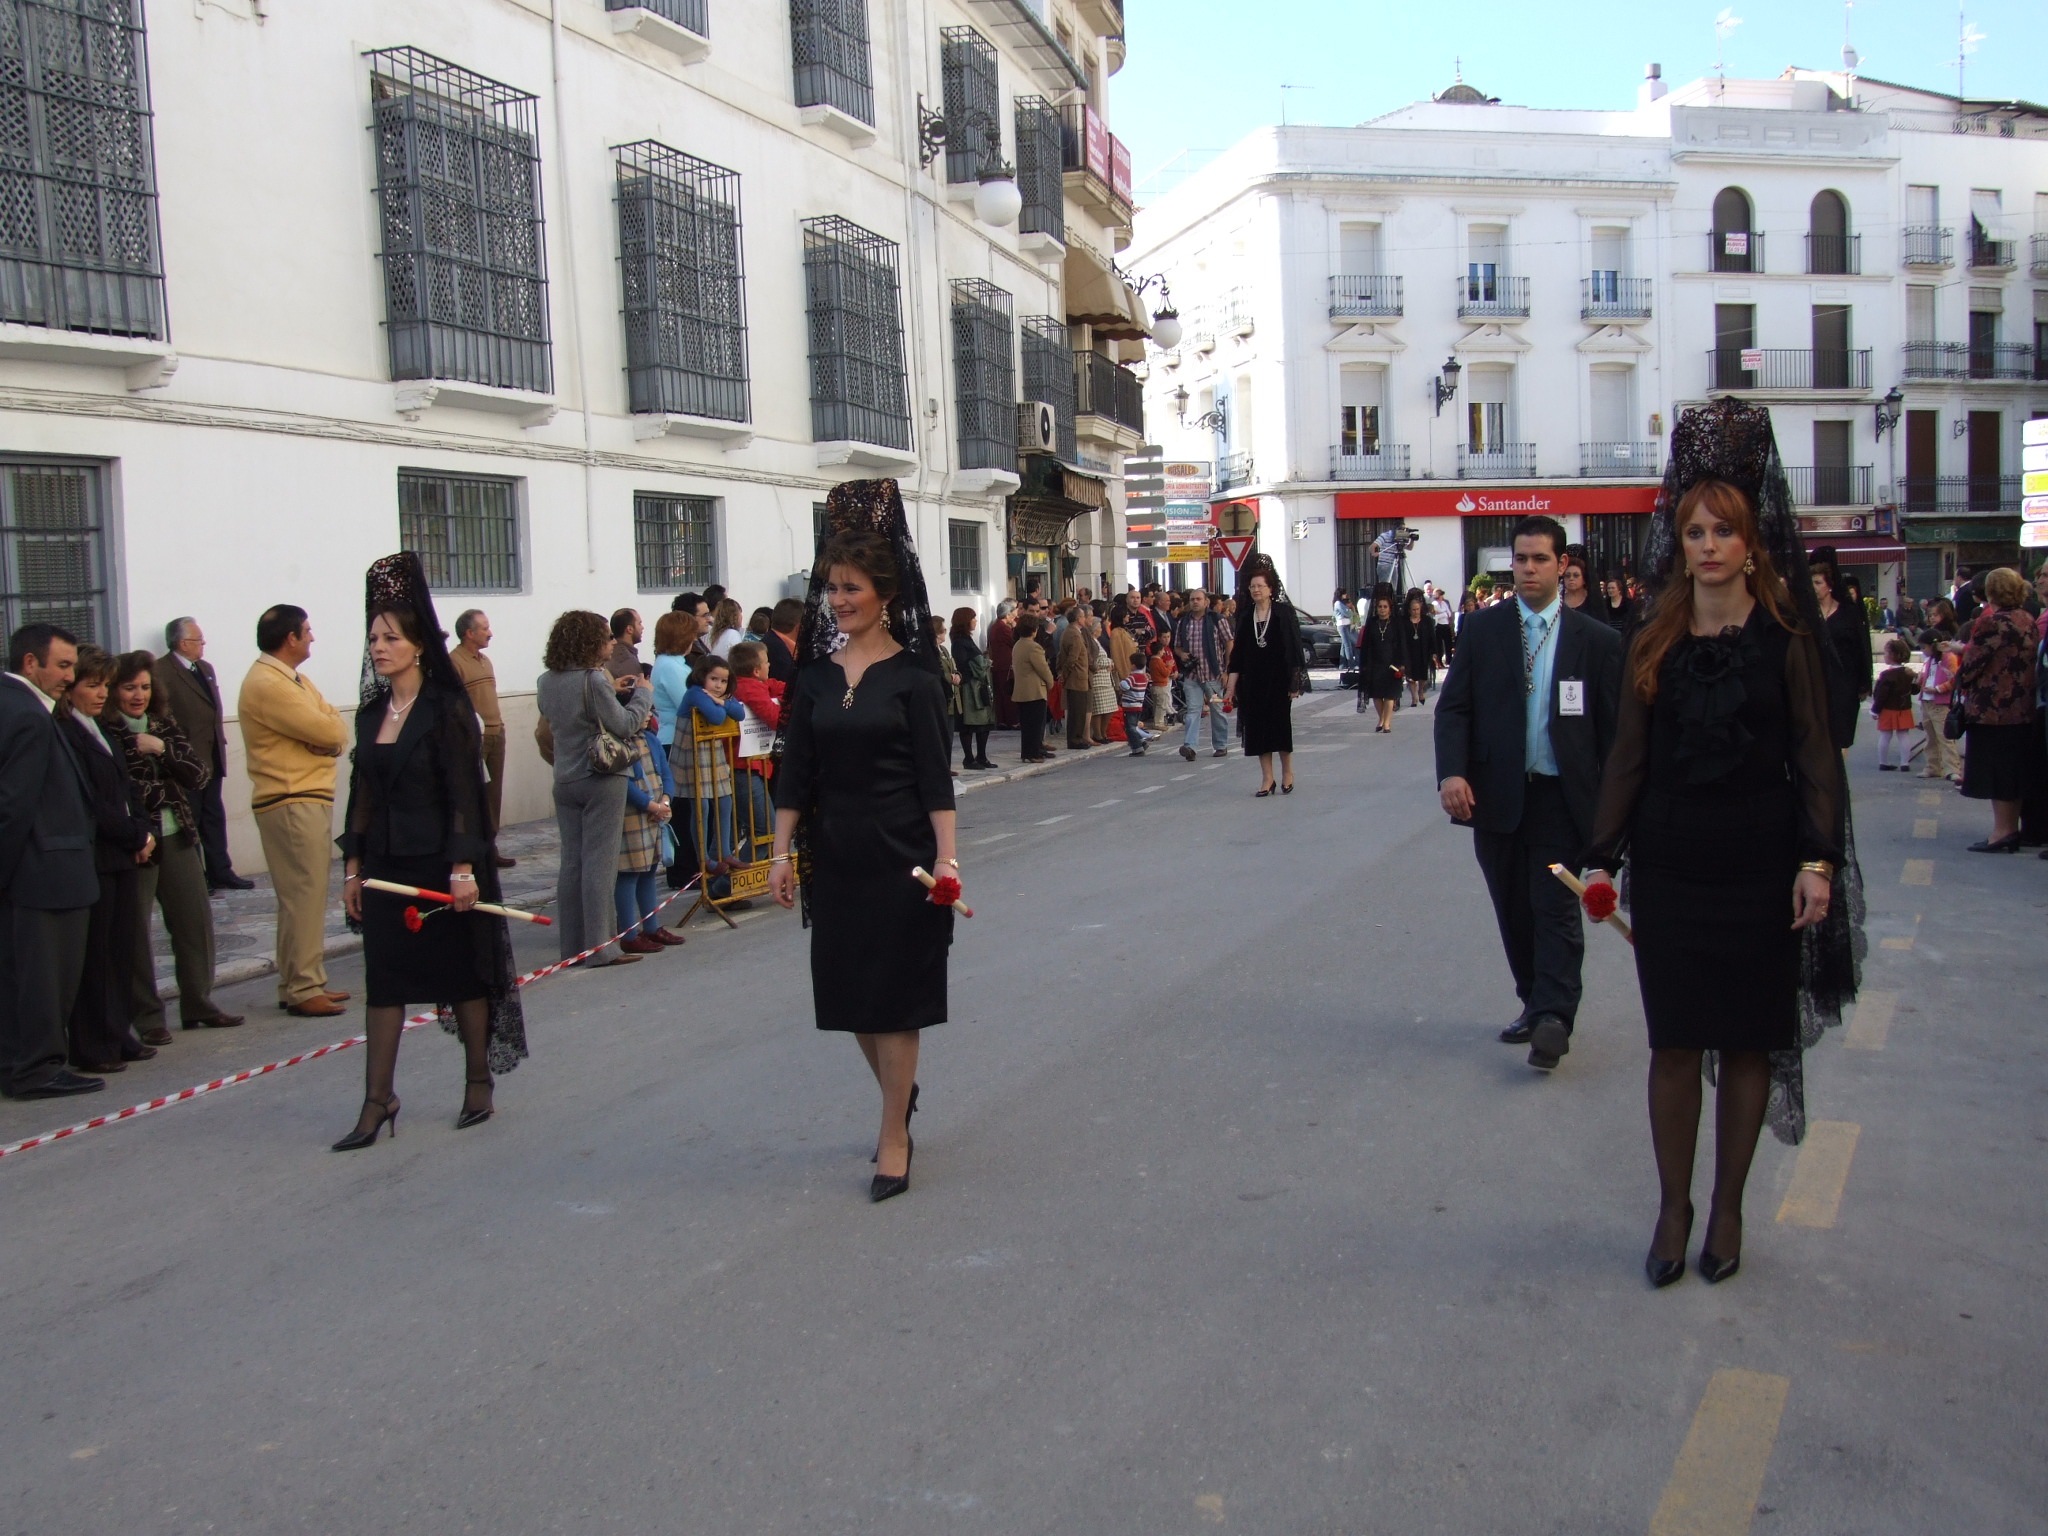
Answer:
[(413, 920), (945, 891), (1599, 901)]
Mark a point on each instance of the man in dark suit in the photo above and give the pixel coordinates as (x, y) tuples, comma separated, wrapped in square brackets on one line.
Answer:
[(47, 879), (185, 688), (1522, 733)]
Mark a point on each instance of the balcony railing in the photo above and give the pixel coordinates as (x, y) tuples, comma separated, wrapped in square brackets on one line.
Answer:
[(690, 15), (1722, 257), (1493, 298), (1960, 360), (1788, 368), (1989, 255), (1834, 253), (1087, 146), (1389, 463), (1949, 494), (1512, 461), (2040, 261), (1927, 246), (1606, 296), (1829, 485), (1360, 296), (1617, 458), (1108, 389), (1233, 469)]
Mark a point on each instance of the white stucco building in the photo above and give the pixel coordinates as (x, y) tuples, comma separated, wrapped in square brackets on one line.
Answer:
[(590, 301), (1464, 311)]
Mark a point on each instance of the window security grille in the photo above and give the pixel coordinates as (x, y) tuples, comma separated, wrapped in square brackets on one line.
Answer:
[(963, 555), (458, 185), (78, 225), (52, 556), (465, 530), (1049, 374), (829, 40), (858, 388), (967, 64), (675, 546), (686, 315), (1039, 170), (691, 15), (985, 380)]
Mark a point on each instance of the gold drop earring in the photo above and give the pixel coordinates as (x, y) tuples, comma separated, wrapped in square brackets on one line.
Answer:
[(1749, 565)]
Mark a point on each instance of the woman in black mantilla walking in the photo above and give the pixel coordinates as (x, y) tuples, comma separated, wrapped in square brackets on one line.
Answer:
[(417, 816), (1266, 673), (864, 794), (1727, 798)]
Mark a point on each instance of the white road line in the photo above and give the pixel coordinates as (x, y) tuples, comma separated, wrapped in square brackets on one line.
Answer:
[(1103, 805), (1179, 776), (983, 842), (1052, 819), (1151, 789)]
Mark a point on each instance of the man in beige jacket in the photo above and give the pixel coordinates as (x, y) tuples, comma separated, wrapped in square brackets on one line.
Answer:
[(291, 738)]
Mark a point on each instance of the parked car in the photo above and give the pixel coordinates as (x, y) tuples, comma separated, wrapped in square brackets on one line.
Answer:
[(1320, 646)]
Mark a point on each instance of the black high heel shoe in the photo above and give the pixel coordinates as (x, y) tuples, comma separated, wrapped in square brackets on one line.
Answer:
[(359, 1138), (1714, 1270), (882, 1187), (1663, 1272), (469, 1116), (906, 1123)]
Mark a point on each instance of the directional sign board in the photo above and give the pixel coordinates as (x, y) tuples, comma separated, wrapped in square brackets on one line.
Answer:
[(2035, 431), (2034, 535), (1234, 547)]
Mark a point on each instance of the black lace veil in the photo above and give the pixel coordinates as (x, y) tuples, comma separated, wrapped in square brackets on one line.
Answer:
[(400, 581), (1733, 442), (871, 506)]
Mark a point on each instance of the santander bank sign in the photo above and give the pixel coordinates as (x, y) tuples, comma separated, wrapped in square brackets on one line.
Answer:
[(1499, 501)]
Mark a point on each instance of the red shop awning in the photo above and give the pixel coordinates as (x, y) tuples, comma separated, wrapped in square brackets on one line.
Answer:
[(1858, 549), (1466, 500)]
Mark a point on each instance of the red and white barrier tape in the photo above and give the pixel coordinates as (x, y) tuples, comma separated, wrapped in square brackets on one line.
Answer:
[(184, 1095)]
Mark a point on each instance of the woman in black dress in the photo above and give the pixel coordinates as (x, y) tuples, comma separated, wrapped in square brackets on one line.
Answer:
[(1729, 802), (863, 795), (1847, 628), (1266, 674), (417, 816), (1418, 645), (1381, 652)]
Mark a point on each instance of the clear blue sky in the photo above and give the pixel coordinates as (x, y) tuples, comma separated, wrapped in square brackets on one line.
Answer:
[(1203, 73)]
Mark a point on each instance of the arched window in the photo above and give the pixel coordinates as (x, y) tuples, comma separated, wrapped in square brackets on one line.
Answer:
[(1737, 247), (1829, 245)]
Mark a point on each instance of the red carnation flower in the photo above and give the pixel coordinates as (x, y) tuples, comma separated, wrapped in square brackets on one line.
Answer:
[(1599, 901), (945, 891), (413, 920)]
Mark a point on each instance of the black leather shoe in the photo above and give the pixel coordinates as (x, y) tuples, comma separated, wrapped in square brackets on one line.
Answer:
[(1714, 1271), (1518, 1032), (1663, 1272), (231, 883), (62, 1085), (882, 1187), (1998, 845), (1549, 1040)]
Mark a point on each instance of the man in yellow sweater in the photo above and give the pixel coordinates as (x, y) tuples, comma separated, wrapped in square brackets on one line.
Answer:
[(292, 739)]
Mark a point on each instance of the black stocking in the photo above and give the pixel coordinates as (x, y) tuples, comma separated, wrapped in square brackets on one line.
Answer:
[(1745, 1089), (473, 1019), (1674, 1131), (380, 1064)]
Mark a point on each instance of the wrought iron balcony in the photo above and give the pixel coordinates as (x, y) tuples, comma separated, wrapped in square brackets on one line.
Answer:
[(1233, 469), (1951, 494), (1720, 258), (1829, 485), (1617, 458), (2040, 262), (1110, 390), (1358, 296), (1961, 360), (1512, 461), (1828, 254), (1389, 463), (1493, 298), (1989, 255), (1926, 245), (1789, 368), (691, 15), (1606, 296)]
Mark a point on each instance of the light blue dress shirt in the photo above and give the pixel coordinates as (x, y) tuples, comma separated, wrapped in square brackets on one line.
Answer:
[(1537, 633)]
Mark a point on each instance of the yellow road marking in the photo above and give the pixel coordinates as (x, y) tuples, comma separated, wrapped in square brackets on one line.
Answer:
[(1720, 1469), (1896, 944), (1930, 797), (1210, 1507), (1814, 1197), (1873, 1020), (1925, 826), (1918, 872)]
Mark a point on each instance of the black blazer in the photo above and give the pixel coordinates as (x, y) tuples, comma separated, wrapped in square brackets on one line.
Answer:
[(194, 702), (1482, 712), (423, 799), (121, 823), (45, 822)]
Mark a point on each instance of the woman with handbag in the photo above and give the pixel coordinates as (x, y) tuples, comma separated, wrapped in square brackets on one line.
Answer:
[(1266, 674), (593, 716), (976, 691), (1994, 696)]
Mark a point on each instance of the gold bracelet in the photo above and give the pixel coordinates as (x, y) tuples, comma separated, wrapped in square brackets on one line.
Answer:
[(1819, 867), (954, 862), (780, 858)]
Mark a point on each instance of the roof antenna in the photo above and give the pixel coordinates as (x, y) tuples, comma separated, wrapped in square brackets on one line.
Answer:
[(1850, 58), (1724, 23), (1967, 39)]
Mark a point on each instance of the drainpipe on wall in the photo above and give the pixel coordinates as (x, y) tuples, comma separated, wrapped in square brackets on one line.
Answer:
[(562, 161)]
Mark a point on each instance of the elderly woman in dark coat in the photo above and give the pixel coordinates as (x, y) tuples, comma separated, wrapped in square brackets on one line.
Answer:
[(1995, 690)]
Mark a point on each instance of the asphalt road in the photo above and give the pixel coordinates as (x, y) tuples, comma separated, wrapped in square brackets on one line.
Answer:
[(1228, 1213)]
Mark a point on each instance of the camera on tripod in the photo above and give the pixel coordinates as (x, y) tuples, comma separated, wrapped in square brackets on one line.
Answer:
[(1407, 537)]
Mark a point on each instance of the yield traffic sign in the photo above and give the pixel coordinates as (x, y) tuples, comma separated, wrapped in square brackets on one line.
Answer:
[(1234, 547)]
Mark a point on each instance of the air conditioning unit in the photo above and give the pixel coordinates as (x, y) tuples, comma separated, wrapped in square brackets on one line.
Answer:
[(1037, 427)]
